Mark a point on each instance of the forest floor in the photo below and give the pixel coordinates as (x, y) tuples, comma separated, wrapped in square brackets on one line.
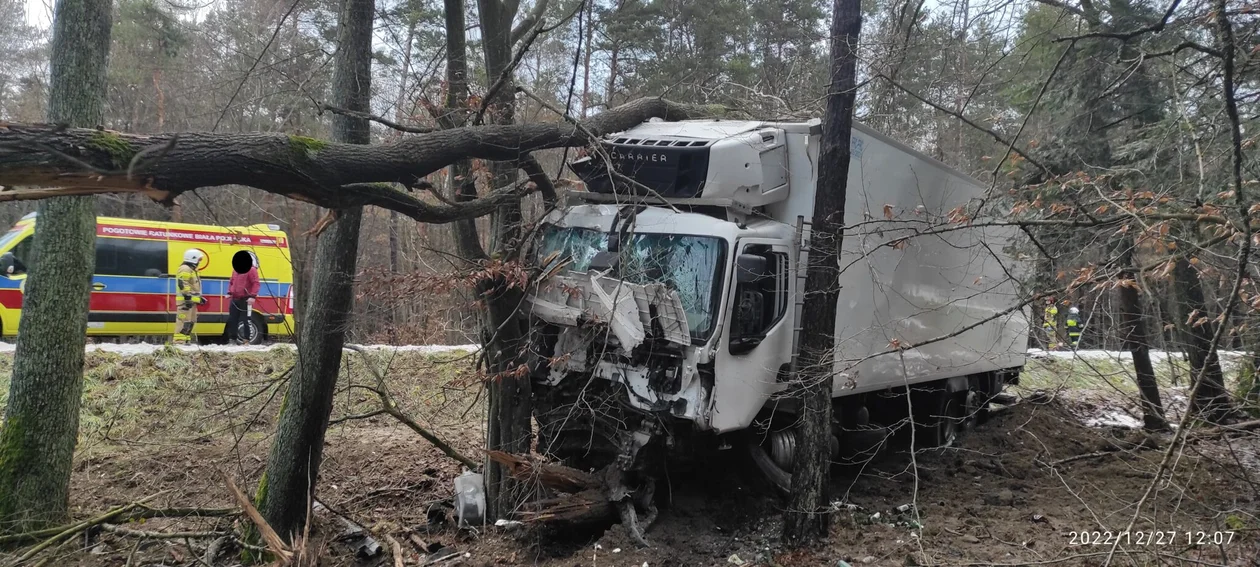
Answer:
[(1018, 490)]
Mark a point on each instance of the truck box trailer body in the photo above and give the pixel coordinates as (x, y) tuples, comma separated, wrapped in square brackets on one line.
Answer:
[(673, 287)]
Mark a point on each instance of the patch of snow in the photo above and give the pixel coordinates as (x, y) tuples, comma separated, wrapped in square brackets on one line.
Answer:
[(1156, 355), (1114, 418), (131, 349)]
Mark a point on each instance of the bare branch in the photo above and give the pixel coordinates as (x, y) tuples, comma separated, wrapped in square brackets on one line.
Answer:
[(111, 528), (254, 65), (507, 73), (390, 407), (374, 118), (1125, 36), (1065, 7), (968, 122)]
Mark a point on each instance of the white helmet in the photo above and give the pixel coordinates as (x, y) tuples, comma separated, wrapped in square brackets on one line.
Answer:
[(193, 256), (1074, 310)]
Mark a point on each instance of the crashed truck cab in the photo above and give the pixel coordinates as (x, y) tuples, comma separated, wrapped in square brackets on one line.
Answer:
[(668, 287)]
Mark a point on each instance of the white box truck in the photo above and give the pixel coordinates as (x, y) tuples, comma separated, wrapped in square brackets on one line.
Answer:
[(668, 311)]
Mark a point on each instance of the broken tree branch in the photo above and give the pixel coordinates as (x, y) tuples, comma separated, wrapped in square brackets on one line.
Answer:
[(275, 545), (390, 407), (328, 174), (79, 527), (139, 512), (531, 21), (111, 528), (583, 496)]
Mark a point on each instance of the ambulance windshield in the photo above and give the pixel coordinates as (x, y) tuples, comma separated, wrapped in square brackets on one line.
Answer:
[(9, 238)]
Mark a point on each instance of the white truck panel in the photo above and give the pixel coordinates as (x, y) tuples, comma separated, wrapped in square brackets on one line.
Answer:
[(934, 285)]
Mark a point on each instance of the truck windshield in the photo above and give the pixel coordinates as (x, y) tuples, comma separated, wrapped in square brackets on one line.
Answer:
[(688, 264)]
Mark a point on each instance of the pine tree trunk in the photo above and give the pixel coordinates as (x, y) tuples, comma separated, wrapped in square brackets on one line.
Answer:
[(41, 423), (806, 518), (1211, 401), (1137, 341), (293, 464)]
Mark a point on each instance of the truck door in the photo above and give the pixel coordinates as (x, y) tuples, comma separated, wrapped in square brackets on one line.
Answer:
[(757, 351)]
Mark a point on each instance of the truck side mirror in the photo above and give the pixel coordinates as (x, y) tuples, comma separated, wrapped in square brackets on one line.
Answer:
[(749, 268)]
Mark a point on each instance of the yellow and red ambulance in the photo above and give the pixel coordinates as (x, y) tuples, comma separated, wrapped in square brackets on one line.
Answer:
[(133, 289)]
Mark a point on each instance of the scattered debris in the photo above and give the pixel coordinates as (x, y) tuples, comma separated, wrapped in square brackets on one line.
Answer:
[(356, 537), (470, 499)]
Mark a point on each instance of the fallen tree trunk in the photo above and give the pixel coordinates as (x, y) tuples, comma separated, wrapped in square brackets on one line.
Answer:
[(83, 161)]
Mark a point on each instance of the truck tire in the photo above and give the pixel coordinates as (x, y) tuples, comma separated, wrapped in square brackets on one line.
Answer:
[(778, 479), (938, 417), (769, 461)]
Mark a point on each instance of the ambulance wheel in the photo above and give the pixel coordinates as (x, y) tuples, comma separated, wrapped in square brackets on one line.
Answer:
[(255, 327)]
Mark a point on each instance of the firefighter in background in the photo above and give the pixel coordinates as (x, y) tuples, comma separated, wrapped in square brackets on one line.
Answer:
[(188, 294), (1074, 326), (1051, 323)]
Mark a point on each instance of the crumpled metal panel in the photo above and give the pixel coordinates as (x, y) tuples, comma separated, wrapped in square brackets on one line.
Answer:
[(574, 299)]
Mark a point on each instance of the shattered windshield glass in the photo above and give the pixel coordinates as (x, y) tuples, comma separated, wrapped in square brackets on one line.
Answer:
[(688, 264)]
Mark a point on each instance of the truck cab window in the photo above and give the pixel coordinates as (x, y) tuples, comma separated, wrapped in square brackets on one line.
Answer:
[(761, 294)]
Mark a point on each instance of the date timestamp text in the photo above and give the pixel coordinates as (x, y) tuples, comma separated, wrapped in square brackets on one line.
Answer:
[(1154, 537)]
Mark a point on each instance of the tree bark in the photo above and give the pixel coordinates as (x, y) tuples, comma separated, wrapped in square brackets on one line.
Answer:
[(288, 488), (1211, 400), (80, 161), (1137, 341), (806, 518), (508, 426), (41, 423), (462, 186)]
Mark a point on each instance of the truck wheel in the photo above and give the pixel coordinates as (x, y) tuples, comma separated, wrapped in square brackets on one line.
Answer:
[(938, 417), (780, 480), (773, 455)]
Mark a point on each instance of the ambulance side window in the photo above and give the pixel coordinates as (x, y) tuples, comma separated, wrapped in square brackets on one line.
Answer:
[(128, 257), (24, 251)]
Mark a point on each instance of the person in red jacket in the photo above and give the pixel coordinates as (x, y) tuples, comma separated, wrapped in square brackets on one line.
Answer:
[(242, 291)]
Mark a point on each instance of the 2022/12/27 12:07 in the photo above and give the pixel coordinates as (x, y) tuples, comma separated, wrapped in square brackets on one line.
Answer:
[(1155, 537)]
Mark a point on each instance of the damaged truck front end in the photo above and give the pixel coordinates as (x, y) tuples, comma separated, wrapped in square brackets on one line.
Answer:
[(621, 323)]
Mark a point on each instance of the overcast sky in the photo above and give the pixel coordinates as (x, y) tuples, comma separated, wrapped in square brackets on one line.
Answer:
[(39, 12)]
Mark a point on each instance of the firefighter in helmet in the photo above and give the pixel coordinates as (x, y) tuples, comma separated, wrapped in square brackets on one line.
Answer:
[(1074, 326), (1050, 323), (188, 294)]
